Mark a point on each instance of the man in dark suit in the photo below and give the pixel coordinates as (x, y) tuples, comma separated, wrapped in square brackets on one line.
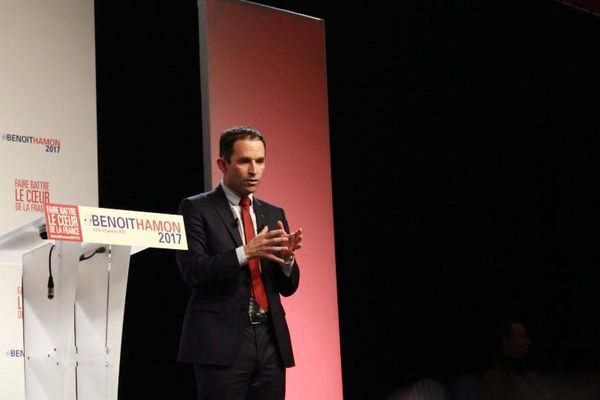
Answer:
[(240, 259)]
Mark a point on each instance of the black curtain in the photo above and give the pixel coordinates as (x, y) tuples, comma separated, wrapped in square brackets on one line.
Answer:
[(476, 179)]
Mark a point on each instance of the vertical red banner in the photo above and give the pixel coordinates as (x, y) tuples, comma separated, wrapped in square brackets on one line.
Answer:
[(266, 68)]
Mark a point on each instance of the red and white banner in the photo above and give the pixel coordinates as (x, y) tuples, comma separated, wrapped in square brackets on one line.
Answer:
[(109, 226)]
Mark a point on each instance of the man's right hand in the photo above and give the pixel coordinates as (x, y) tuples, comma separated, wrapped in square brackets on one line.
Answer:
[(268, 244)]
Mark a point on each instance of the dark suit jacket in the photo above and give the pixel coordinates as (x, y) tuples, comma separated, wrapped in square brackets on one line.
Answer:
[(217, 312)]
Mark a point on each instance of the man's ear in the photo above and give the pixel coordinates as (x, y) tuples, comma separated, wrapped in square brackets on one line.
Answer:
[(222, 164)]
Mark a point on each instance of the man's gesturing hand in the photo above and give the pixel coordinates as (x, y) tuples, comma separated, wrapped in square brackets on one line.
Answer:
[(294, 241), (268, 244)]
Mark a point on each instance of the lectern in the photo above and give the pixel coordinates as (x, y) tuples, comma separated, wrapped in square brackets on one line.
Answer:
[(72, 341)]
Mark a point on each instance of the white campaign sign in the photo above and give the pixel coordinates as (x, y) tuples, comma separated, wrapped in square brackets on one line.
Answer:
[(109, 226)]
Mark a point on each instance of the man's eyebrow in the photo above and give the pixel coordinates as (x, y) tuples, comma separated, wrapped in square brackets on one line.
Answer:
[(244, 158)]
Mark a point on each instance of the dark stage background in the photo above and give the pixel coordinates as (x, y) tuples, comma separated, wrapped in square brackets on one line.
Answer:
[(473, 126)]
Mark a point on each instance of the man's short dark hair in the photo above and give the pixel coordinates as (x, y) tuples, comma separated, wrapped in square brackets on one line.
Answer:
[(505, 328), (232, 135)]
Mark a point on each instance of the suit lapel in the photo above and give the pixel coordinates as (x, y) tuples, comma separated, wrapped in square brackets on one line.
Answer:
[(223, 209), (261, 222), (259, 213)]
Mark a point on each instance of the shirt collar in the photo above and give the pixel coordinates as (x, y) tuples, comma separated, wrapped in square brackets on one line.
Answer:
[(233, 197)]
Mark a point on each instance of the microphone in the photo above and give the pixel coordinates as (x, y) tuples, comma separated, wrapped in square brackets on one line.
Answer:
[(50, 284), (235, 222), (50, 287), (42, 232), (99, 250)]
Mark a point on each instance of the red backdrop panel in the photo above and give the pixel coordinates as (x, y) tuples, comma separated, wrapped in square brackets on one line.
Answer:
[(266, 68)]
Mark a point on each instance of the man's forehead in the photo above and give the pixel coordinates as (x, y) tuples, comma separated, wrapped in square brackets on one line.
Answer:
[(248, 145)]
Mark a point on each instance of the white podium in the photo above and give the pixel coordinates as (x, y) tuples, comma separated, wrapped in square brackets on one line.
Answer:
[(72, 342)]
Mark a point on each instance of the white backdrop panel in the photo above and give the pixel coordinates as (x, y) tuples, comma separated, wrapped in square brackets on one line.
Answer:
[(11, 332), (47, 107)]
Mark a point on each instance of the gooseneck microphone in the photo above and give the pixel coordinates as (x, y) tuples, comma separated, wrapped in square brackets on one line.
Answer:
[(82, 257), (99, 250)]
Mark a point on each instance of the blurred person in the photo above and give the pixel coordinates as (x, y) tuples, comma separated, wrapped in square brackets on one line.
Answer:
[(507, 378), (423, 389)]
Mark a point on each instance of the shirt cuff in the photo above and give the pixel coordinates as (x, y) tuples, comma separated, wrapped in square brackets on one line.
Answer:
[(286, 267), (241, 256)]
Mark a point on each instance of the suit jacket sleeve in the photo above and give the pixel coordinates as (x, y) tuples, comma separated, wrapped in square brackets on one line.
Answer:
[(198, 266), (287, 285)]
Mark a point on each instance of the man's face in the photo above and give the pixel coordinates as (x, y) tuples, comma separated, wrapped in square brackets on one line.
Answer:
[(244, 169), (517, 345)]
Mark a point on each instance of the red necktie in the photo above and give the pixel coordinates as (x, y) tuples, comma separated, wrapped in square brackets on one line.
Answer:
[(257, 285)]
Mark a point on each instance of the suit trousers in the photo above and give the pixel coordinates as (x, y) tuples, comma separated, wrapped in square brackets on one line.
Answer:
[(257, 374)]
